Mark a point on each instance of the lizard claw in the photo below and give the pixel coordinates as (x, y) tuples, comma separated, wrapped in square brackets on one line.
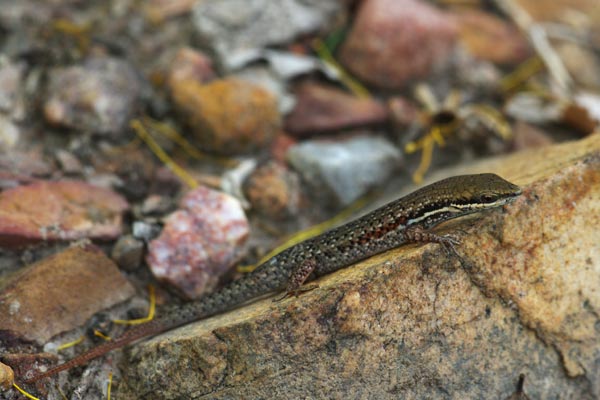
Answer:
[(295, 292), (449, 241)]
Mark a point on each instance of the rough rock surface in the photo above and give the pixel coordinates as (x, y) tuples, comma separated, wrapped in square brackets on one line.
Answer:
[(60, 293), (417, 322)]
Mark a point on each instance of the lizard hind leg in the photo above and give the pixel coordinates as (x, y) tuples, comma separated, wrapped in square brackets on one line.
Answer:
[(299, 275)]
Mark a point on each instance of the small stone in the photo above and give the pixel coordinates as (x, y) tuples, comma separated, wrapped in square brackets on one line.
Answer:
[(106, 181), (527, 136), (533, 109), (274, 191), (582, 64), (394, 41), (31, 163), (128, 252), (11, 77), (7, 376), (39, 301), (63, 210), (403, 112), (165, 182), (473, 72), (228, 116), (583, 13), (145, 231), (346, 169), (98, 96), (9, 133), (134, 168), (231, 27), (190, 65), (583, 113), (157, 11), (490, 38), (199, 242), (155, 205), (68, 162), (321, 108)]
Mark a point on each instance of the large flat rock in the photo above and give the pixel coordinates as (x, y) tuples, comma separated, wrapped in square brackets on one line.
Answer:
[(59, 293), (417, 322)]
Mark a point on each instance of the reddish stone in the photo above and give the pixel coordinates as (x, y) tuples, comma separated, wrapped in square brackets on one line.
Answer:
[(321, 108), (583, 114), (527, 136), (394, 41), (60, 293), (490, 38), (199, 242), (64, 210)]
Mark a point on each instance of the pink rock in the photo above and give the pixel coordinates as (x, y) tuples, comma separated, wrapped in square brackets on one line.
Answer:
[(199, 242), (393, 41), (64, 210), (323, 108)]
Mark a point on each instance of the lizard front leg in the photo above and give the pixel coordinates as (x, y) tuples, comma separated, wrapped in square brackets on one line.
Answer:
[(299, 275), (416, 234)]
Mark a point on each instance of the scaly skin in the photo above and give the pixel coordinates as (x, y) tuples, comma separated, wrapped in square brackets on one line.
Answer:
[(402, 221)]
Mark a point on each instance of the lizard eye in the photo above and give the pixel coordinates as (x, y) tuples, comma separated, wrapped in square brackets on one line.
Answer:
[(487, 198)]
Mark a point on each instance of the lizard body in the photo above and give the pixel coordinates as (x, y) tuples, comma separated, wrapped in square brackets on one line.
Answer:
[(399, 222)]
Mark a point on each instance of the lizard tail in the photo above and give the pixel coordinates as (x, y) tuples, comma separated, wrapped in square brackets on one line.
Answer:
[(150, 329)]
